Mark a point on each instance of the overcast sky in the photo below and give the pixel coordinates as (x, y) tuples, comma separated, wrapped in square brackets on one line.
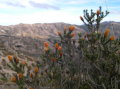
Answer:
[(50, 11)]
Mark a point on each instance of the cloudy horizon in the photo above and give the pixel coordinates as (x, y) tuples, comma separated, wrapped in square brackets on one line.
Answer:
[(52, 11)]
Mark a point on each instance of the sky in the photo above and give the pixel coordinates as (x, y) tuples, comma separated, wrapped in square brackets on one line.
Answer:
[(51, 11)]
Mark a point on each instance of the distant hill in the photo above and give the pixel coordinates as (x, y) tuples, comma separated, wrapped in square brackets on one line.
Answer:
[(46, 30), (113, 26), (34, 30), (27, 39)]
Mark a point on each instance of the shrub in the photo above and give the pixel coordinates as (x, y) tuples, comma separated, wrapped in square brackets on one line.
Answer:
[(90, 62)]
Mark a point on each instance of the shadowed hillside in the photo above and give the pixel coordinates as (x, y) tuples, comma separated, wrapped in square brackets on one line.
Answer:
[(27, 39)]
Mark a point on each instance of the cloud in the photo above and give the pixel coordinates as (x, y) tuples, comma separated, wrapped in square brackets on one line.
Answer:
[(14, 4), (78, 2), (43, 5), (81, 1)]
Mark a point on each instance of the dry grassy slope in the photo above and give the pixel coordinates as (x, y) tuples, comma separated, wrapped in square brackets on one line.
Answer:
[(46, 30), (34, 30), (28, 39)]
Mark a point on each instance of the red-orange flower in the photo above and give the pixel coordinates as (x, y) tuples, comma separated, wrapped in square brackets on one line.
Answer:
[(73, 34), (82, 38), (98, 12), (56, 45), (20, 75), (81, 18), (24, 62), (36, 69), (31, 88), (53, 59), (13, 79), (16, 60), (59, 48), (107, 31), (112, 38), (59, 33), (46, 44), (71, 28), (31, 75), (10, 58)]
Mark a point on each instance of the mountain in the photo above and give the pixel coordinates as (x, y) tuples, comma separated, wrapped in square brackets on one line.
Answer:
[(27, 39), (34, 30), (113, 26)]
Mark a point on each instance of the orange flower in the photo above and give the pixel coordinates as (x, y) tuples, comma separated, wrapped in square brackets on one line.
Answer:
[(98, 12), (106, 32), (53, 59), (16, 60), (81, 18), (56, 45), (73, 34), (10, 58), (46, 44), (31, 88), (59, 33), (59, 48), (71, 28), (20, 75), (36, 69), (31, 75), (13, 79), (24, 62), (112, 38), (82, 38)]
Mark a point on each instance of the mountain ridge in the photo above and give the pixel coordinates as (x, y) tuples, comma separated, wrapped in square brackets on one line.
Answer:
[(28, 39)]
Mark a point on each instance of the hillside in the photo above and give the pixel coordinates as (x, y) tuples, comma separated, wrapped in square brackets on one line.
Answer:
[(27, 39), (113, 26)]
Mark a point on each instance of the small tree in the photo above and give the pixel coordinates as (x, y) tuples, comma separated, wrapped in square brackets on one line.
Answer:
[(101, 53)]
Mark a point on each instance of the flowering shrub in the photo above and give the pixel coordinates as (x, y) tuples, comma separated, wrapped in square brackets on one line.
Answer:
[(101, 53), (19, 69), (90, 62)]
